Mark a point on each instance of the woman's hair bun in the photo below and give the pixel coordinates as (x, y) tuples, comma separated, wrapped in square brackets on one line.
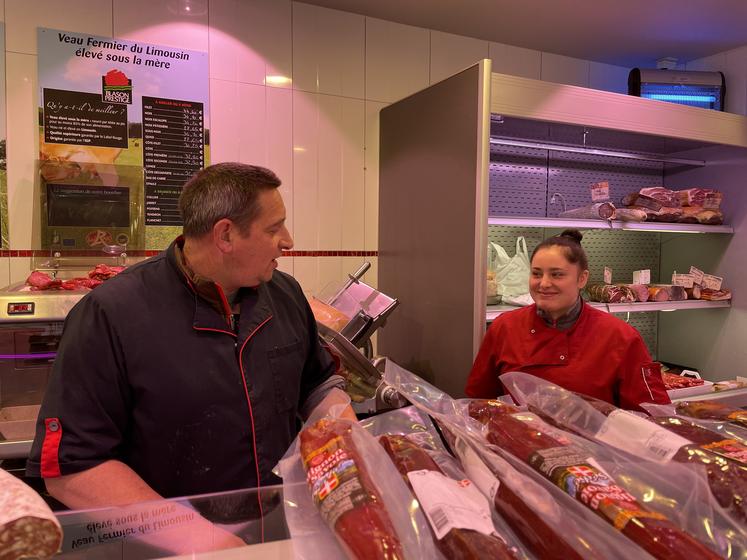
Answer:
[(573, 234)]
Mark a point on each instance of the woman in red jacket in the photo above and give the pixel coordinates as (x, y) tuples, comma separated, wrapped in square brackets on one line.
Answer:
[(564, 340)]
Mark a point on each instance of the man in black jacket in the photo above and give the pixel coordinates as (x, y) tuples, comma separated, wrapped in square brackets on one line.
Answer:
[(187, 372)]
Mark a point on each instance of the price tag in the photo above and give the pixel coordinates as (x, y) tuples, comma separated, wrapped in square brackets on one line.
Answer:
[(607, 275), (712, 201), (712, 282), (697, 275), (600, 191), (450, 504), (642, 276), (625, 430), (684, 280)]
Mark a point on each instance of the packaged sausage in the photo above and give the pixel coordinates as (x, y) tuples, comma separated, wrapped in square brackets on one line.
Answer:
[(647, 459), (344, 498), (549, 521)]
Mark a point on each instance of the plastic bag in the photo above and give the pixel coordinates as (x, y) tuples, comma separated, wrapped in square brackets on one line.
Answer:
[(638, 455), (512, 275), (497, 259), (313, 539), (464, 524), (550, 523), (726, 429)]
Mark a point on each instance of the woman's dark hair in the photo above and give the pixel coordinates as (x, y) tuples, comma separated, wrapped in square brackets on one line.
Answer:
[(570, 241)]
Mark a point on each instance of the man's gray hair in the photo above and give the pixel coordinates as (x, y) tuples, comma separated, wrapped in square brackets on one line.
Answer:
[(224, 190)]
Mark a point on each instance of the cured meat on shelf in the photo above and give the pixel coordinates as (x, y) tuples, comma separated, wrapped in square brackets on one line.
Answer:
[(710, 217), (610, 293), (658, 293), (630, 215), (642, 201), (569, 467), (700, 215), (596, 211), (28, 528), (705, 198), (344, 493), (666, 214), (667, 197), (458, 543), (640, 291), (712, 410), (666, 292), (715, 295), (694, 292)]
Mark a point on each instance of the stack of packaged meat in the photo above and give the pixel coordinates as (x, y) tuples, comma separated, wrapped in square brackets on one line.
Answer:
[(668, 448), (694, 206), (649, 490), (40, 281)]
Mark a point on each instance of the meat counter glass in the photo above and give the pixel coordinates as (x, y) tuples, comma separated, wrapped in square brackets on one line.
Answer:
[(207, 526)]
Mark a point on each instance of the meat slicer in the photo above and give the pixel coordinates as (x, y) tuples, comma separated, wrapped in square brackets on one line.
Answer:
[(366, 310)]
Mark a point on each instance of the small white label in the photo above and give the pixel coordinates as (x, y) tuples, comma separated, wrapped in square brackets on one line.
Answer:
[(697, 275), (711, 282), (638, 436), (479, 473), (607, 275), (600, 191), (642, 276), (451, 504), (684, 280), (712, 201)]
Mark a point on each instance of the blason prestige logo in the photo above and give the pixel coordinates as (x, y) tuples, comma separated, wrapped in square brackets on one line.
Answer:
[(116, 87)]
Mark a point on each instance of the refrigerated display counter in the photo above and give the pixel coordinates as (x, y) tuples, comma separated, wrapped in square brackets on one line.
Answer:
[(222, 526)]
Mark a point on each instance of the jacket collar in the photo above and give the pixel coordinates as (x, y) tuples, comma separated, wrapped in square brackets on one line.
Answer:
[(565, 322), (212, 309)]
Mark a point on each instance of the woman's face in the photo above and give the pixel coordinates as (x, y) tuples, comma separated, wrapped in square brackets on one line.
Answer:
[(554, 283)]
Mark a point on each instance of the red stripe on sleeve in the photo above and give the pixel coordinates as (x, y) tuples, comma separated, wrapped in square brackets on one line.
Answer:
[(50, 464)]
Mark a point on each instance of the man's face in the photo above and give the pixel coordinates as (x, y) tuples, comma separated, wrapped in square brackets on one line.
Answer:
[(254, 257)]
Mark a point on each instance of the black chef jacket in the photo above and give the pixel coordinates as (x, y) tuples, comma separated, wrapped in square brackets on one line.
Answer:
[(150, 374)]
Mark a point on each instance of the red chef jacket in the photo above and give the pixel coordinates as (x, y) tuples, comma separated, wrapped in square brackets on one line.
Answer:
[(600, 356)]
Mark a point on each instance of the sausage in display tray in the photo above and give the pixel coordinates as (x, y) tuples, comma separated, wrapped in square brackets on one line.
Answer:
[(428, 482), (648, 438), (571, 468), (669, 460), (344, 498), (565, 519)]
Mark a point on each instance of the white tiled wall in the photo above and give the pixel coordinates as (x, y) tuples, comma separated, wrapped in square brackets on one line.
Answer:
[(516, 61), (328, 51), (397, 60), (452, 53), (734, 66), (565, 70), (294, 87)]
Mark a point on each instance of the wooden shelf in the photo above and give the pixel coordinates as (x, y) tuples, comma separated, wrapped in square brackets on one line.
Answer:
[(604, 224), (494, 311)]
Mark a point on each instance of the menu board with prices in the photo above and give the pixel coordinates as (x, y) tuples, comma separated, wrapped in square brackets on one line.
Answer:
[(173, 151), (162, 206)]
